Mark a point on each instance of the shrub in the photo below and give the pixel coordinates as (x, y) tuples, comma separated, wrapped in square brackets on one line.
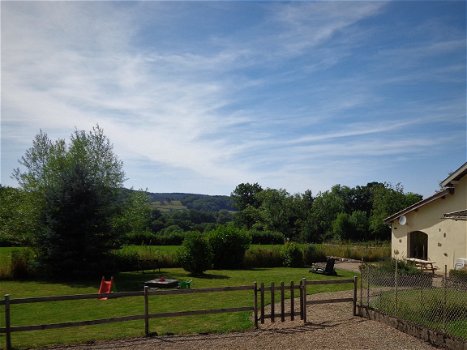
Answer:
[(228, 245), (20, 264), (170, 238), (312, 254), (293, 255), (263, 257), (460, 275), (194, 255), (389, 266), (144, 237), (267, 237)]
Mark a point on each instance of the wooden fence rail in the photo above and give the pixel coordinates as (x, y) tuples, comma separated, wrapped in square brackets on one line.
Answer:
[(146, 293)]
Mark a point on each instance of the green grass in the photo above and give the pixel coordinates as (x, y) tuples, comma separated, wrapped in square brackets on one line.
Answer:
[(428, 307), (41, 313)]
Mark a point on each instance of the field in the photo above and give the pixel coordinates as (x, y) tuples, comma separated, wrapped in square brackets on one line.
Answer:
[(37, 313)]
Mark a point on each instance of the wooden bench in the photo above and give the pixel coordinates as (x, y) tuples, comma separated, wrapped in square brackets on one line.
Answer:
[(423, 265)]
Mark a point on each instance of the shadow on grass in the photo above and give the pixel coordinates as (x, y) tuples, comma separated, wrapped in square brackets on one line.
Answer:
[(212, 276)]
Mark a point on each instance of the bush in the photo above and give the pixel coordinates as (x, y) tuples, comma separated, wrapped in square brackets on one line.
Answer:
[(266, 237), (293, 255), (194, 255), (389, 266), (228, 245), (20, 264), (145, 258), (138, 238), (312, 254), (170, 238), (263, 257)]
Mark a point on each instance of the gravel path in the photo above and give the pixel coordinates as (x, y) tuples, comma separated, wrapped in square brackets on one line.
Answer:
[(330, 326)]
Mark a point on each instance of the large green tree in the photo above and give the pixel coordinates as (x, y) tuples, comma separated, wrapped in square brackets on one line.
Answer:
[(76, 189)]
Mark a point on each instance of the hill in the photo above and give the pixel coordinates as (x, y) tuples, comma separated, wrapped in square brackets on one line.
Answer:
[(181, 201)]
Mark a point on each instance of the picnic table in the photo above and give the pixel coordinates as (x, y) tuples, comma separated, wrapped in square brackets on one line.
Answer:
[(424, 265), (162, 283)]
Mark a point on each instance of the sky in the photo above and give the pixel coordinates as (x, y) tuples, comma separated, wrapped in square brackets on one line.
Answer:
[(199, 97)]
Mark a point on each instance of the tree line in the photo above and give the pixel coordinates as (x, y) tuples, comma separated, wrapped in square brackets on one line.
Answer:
[(71, 206), (341, 213)]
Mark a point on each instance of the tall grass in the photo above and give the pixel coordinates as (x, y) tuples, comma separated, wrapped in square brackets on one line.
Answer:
[(357, 252)]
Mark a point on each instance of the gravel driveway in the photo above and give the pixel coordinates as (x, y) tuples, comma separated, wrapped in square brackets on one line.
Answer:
[(330, 326)]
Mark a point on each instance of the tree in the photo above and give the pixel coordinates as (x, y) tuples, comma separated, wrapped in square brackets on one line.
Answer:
[(245, 194), (387, 200), (18, 219), (76, 189), (325, 208)]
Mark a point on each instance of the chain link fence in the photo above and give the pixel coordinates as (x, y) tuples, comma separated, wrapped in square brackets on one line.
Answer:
[(432, 301)]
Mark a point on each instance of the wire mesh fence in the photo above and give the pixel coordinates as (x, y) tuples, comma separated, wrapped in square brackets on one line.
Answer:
[(428, 300)]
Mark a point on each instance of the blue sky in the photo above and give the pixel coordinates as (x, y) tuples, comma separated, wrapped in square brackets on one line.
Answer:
[(201, 96)]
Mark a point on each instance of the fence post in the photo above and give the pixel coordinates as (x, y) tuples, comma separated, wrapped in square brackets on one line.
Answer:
[(368, 286), (282, 302), (255, 307), (262, 302), (146, 311), (396, 301), (355, 284), (272, 302), (301, 299), (445, 298), (292, 303), (7, 322), (361, 289), (304, 300)]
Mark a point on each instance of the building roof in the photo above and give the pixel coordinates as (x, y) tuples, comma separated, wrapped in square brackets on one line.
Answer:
[(453, 178), (437, 195), (456, 215), (448, 185)]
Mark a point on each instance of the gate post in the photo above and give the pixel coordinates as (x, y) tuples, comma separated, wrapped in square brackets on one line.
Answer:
[(355, 284), (255, 307), (301, 299), (304, 300), (292, 306), (262, 302), (282, 302), (7, 322), (272, 303), (146, 311)]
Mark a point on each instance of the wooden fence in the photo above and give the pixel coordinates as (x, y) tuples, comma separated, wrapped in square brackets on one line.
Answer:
[(259, 313)]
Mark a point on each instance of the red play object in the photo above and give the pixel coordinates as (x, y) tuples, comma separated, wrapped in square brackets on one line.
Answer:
[(106, 287)]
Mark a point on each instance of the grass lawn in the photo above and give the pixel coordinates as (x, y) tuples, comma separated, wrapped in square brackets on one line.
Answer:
[(37, 313), (429, 307)]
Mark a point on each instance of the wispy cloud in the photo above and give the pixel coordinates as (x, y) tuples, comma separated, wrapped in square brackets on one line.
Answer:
[(265, 102)]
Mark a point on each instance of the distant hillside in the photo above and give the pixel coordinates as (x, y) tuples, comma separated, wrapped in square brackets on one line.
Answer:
[(180, 201)]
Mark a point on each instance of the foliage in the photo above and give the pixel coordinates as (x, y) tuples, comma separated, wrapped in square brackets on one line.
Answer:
[(136, 213), (245, 194), (18, 265), (18, 217), (389, 266), (76, 190), (266, 237), (292, 255), (458, 275), (261, 256), (388, 200), (228, 245), (313, 254), (195, 256)]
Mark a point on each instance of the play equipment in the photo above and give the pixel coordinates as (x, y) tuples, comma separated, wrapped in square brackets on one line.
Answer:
[(105, 287)]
